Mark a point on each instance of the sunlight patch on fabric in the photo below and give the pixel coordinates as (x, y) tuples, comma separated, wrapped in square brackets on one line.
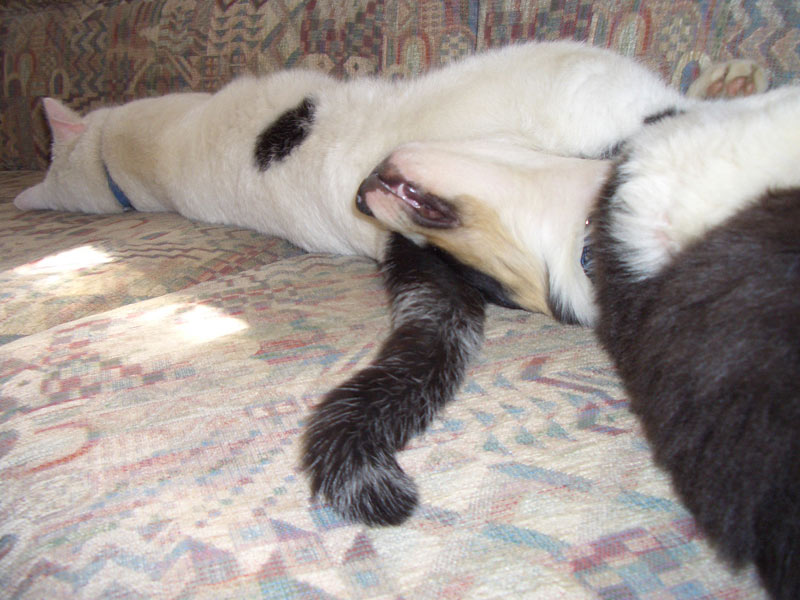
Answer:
[(193, 323), (63, 264)]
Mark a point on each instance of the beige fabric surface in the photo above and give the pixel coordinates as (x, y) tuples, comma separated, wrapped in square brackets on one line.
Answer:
[(150, 449)]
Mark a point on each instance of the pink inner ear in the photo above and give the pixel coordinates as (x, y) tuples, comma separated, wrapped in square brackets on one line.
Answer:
[(64, 132), (65, 123)]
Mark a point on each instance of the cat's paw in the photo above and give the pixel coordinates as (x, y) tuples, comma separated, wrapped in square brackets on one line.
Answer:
[(729, 80), (350, 463)]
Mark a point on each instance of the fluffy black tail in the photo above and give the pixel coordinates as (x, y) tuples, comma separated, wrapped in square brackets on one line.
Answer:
[(354, 433)]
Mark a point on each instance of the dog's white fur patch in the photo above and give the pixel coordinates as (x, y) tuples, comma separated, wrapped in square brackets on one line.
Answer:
[(693, 171)]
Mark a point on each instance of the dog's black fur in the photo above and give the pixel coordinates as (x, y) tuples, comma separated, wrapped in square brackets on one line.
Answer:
[(709, 351), (355, 431)]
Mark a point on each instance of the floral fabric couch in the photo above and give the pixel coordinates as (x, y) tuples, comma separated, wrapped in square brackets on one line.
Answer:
[(155, 373)]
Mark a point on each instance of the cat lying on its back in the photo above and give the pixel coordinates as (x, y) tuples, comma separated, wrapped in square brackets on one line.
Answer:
[(285, 154)]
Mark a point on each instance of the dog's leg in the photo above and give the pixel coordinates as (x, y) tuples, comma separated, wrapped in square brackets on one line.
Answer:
[(354, 433)]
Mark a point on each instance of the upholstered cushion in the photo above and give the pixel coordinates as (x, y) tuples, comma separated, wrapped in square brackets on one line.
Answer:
[(150, 448), (155, 374)]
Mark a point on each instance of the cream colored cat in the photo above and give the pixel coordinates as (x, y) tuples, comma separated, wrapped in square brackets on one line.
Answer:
[(284, 154)]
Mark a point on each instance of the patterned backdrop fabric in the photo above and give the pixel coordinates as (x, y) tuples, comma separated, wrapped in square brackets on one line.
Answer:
[(94, 53)]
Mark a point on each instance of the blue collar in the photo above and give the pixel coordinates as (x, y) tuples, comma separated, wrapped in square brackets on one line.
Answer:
[(123, 200)]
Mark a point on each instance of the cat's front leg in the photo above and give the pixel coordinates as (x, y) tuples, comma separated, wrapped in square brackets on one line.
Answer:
[(354, 433)]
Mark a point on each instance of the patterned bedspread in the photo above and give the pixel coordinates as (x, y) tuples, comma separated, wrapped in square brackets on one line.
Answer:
[(156, 374)]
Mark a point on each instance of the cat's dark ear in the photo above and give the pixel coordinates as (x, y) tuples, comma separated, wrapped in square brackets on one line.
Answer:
[(64, 122)]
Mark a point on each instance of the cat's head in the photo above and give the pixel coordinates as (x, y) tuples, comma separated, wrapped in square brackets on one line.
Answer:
[(76, 179), (515, 215)]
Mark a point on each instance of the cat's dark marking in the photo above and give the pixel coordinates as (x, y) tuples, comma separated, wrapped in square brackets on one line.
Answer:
[(353, 434), (284, 134), (709, 351)]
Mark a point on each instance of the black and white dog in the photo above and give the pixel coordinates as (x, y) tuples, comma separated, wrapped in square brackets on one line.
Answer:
[(695, 240)]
